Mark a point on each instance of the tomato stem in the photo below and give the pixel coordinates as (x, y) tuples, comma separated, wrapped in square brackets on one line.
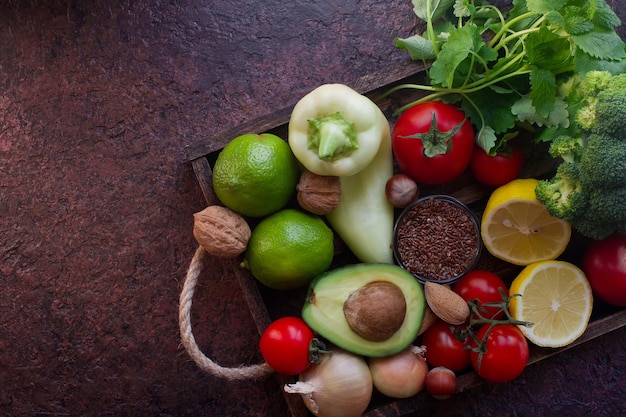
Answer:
[(477, 320), (317, 348)]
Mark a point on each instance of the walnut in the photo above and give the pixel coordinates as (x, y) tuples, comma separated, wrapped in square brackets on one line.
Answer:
[(318, 194), (221, 231)]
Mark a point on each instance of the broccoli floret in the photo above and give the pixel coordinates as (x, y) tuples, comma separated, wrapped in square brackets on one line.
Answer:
[(604, 102), (604, 215), (593, 227), (566, 147), (563, 194), (608, 204), (594, 82), (603, 163), (610, 118), (589, 187)]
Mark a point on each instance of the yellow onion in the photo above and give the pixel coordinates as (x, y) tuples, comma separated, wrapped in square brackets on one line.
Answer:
[(401, 375), (340, 385)]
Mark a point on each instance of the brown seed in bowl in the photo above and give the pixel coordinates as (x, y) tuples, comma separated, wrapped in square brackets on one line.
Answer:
[(436, 239)]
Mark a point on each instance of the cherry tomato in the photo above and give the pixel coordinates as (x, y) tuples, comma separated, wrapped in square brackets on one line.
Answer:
[(498, 169), (506, 355), (482, 286), (444, 349), (429, 158), (604, 264), (285, 345)]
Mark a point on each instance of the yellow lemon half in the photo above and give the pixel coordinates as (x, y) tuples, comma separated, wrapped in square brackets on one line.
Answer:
[(517, 228), (556, 297)]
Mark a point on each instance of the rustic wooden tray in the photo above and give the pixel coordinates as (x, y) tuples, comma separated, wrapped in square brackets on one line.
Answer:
[(266, 305)]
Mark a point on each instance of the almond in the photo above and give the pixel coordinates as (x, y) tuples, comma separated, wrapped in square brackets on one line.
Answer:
[(446, 304), (429, 319)]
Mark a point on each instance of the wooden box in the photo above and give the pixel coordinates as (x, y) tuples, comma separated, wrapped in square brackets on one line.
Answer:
[(266, 305)]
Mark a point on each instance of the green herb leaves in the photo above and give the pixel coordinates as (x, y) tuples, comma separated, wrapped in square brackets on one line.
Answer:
[(504, 69), (462, 50)]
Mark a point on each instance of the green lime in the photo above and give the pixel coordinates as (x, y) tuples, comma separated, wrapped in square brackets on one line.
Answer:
[(255, 175), (289, 248)]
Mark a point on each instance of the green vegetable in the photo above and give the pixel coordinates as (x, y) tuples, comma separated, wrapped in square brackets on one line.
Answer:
[(562, 194), (568, 148), (589, 187), (329, 308), (506, 69), (335, 131)]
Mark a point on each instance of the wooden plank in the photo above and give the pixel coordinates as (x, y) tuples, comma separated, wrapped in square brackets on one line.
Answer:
[(469, 380), (595, 329), (204, 174), (203, 153), (259, 125), (371, 85)]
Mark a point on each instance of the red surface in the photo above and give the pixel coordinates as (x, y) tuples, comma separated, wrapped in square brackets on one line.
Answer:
[(97, 103)]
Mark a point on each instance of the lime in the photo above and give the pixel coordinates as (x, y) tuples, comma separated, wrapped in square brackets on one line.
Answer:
[(517, 228), (289, 248), (255, 175)]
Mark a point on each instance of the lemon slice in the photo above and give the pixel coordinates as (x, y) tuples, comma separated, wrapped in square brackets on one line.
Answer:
[(517, 228), (556, 297)]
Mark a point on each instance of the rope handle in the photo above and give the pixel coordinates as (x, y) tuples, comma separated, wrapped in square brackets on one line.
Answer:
[(189, 342)]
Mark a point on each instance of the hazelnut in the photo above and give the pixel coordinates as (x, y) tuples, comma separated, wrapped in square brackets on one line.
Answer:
[(401, 190), (318, 194), (221, 231), (441, 382)]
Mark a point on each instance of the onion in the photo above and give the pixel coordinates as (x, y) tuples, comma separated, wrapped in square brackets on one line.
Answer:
[(401, 375), (340, 385)]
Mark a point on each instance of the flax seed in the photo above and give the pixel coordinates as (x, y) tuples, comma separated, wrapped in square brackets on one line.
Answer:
[(436, 239)]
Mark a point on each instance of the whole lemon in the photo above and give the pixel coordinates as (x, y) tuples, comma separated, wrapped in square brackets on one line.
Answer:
[(289, 248), (255, 175)]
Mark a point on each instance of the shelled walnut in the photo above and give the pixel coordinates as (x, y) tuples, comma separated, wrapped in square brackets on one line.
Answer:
[(221, 232), (318, 194)]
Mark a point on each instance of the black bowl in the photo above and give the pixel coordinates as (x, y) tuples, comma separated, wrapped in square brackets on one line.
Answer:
[(437, 238)]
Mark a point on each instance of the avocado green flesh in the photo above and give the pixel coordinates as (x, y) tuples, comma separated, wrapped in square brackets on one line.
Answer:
[(323, 309)]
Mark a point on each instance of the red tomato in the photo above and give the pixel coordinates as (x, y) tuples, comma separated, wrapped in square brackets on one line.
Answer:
[(285, 345), (433, 157), (443, 349), (604, 263), (482, 286), (498, 169), (506, 355)]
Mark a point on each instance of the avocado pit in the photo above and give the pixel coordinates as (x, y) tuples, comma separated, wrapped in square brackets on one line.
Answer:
[(376, 311)]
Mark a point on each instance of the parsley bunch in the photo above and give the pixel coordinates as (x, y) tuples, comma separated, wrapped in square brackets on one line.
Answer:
[(505, 69)]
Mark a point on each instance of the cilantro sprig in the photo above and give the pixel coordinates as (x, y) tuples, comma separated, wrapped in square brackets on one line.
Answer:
[(505, 68)]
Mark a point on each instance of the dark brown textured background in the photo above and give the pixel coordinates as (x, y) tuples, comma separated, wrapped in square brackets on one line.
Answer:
[(97, 105)]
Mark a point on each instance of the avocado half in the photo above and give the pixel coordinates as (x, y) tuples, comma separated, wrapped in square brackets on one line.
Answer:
[(323, 308)]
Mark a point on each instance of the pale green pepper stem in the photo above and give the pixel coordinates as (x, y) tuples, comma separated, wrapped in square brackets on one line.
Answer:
[(332, 136)]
